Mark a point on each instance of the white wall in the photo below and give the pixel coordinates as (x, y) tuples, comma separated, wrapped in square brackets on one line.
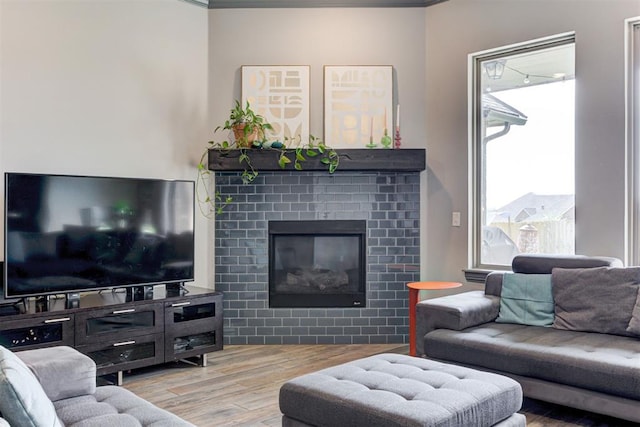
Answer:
[(102, 87), (457, 28), (318, 37)]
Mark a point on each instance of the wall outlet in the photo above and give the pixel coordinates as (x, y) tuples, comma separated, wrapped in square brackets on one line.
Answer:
[(455, 219)]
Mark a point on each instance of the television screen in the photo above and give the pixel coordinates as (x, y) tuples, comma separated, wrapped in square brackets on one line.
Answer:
[(68, 234)]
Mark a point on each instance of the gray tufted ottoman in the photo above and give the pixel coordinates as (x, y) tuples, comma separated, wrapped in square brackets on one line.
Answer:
[(397, 390)]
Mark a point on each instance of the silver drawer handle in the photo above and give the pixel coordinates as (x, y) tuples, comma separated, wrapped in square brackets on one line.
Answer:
[(118, 344), (180, 304), (62, 319), (130, 310)]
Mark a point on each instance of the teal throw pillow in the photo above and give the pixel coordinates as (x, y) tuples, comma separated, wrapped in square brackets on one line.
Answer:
[(526, 299), (23, 402)]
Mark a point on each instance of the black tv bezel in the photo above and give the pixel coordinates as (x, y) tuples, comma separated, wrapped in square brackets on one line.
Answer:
[(4, 292)]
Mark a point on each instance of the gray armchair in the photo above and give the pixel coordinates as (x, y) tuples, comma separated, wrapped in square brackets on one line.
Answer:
[(56, 386)]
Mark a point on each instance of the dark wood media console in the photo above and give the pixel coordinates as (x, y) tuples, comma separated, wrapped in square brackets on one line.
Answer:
[(121, 332)]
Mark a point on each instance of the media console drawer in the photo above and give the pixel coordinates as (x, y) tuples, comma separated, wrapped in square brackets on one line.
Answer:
[(116, 322), (124, 354), (42, 331), (193, 326)]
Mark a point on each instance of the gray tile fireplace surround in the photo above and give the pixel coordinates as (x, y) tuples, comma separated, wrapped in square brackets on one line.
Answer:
[(389, 203)]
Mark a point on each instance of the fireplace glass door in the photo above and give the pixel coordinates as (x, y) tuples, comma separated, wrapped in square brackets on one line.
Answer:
[(317, 263)]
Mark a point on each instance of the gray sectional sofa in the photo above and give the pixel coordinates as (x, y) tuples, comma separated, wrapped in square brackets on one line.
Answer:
[(566, 328), (56, 386)]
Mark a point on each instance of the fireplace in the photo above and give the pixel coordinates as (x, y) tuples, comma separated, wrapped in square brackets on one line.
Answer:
[(389, 204), (319, 263)]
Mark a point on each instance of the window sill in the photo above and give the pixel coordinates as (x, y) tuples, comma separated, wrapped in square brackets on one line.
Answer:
[(476, 275)]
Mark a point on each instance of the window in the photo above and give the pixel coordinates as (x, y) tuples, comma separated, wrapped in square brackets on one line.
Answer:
[(633, 143), (522, 162)]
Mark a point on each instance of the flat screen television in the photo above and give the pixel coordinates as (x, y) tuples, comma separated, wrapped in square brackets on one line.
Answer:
[(67, 234)]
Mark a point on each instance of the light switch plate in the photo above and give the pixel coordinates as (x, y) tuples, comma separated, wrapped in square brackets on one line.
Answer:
[(455, 219)]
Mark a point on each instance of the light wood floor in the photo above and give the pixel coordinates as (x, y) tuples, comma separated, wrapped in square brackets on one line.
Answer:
[(240, 384)]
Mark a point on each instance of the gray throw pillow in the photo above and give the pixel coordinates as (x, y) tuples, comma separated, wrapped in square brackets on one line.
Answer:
[(634, 323), (595, 299), (23, 402)]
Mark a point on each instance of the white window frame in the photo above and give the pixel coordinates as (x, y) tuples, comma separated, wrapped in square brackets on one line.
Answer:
[(475, 135), (632, 123)]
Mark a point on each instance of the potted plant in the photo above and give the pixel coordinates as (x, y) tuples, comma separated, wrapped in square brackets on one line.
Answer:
[(250, 133), (247, 126)]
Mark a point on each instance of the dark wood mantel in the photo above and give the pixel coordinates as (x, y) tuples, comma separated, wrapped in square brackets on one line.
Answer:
[(364, 160)]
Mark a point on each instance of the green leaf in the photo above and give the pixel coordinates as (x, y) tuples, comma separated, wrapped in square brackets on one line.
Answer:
[(325, 161), (299, 156), (283, 161), (297, 166), (311, 153)]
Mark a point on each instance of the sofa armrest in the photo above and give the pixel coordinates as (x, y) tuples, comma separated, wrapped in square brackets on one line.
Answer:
[(456, 312), (62, 371)]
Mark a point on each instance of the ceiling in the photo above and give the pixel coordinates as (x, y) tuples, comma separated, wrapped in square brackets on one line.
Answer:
[(539, 67)]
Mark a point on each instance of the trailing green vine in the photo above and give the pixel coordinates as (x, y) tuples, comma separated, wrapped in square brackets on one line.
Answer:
[(212, 202)]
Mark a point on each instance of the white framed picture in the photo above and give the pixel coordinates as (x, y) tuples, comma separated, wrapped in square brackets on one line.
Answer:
[(280, 93), (358, 103)]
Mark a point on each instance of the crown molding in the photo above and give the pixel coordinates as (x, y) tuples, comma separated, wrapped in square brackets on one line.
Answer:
[(243, 4)]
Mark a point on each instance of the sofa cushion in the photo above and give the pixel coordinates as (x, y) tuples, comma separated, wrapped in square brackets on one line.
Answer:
[(595, 299), (61, 371), (634, 323), (545, 263), (23, 402), (526, 299), (598, 362), (114, 406)]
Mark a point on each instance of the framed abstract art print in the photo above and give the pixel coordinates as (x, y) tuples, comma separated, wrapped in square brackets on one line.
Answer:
[(358, 102), (280, 93)]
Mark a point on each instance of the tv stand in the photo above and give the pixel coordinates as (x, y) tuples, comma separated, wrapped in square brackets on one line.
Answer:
[(121, 334)]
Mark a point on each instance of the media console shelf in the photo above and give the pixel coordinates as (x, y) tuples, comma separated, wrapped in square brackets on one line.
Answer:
[(119, 333)]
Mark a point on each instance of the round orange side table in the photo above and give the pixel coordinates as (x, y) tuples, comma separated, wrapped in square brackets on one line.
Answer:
[(414, 289)]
